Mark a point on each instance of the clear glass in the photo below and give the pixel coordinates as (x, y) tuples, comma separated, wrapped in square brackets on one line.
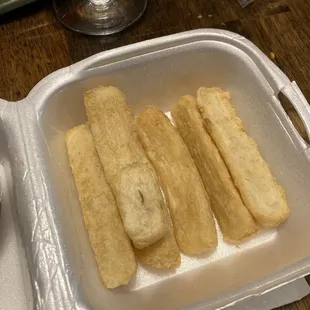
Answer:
[(99, 17)]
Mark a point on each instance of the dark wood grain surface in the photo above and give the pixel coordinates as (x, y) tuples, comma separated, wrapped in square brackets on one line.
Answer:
[(33, 43)]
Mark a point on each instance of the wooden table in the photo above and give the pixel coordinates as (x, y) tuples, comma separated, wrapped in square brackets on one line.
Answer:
[(33, 43)]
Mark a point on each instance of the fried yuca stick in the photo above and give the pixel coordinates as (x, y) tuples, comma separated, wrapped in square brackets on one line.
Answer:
[(234, 219), (164, 253), (126, 166), (112, 247), (261, 194), (187, 199)]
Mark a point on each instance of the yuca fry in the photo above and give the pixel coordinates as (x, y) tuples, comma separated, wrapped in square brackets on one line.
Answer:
[(164, 253), (187, 199), (112, 247), (126, 166), (234, 219), (261, 194)]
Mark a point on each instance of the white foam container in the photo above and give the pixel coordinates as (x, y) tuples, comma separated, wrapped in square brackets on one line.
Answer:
[(61, 263)]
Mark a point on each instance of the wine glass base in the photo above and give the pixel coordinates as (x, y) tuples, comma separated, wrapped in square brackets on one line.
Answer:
[(97, 17)]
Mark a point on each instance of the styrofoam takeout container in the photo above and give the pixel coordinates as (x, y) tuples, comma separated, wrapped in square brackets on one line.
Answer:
[(61, 263)]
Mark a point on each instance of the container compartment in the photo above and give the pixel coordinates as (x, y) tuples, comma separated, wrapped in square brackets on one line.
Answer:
[(158, 72)]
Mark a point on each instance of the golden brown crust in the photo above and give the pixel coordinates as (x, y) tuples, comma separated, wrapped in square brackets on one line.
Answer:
[(234, 219), (127, 169), (264, 198), (112, 248), (187, 200), (164, 253)]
